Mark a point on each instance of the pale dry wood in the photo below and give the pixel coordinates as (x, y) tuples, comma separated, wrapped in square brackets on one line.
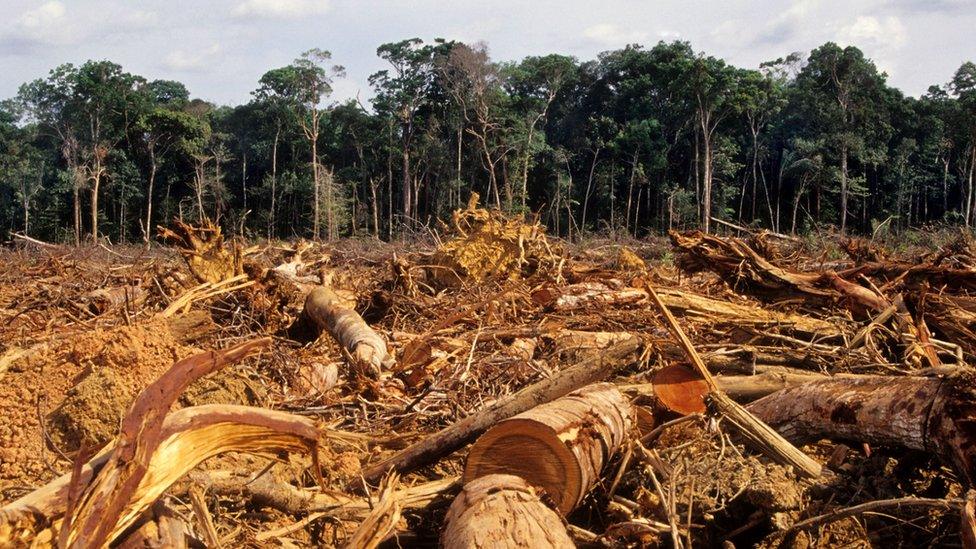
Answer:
[(331, 313), (382, 518), (188, 437), (502, 511), (561, 446)]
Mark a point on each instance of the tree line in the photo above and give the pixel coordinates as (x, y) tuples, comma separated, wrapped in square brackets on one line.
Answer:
[(638, 140)]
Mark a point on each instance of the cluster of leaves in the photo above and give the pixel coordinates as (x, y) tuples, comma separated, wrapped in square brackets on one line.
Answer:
[(639, 139)]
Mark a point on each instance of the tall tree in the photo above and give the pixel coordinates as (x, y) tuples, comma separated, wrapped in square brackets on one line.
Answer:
[(304, 85)]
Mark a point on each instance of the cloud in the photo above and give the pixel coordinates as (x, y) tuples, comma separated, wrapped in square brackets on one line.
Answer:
[(607, 34), (191, 61), (786, 25), (280, 9), (886, 33), (44, 15), (45, 25)]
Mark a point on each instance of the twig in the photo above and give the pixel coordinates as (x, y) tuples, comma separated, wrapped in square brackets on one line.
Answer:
[(869, 506)]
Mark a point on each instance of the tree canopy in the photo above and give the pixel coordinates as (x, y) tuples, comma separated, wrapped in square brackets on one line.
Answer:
[(637, 141)]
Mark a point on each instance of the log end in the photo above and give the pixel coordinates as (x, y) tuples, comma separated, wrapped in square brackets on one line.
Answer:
[(532, 451), (502, 511), (680, 390)]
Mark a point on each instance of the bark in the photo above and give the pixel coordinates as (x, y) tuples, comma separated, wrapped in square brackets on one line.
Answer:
[(330, 313), (589, 370), (405, 166), (502, 511), (589, 188), (919, 413), (560, 446), (274, 181)]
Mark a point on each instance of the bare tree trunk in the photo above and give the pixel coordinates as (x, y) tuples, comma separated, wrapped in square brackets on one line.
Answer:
[(96, 182), (589, 187), (407, 184), (149, 195), (706, 176), (376, 209), (316, 182), (274, 181), (843, 188)]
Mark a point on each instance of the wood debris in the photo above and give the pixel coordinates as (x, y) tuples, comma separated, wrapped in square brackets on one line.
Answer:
[(495, 387)]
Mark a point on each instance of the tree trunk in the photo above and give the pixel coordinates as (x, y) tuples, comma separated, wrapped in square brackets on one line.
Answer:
[(274, 181), (589, 188), (376, 209), (330, 313), (561, 446), (843, 189), (589, 370), (407, 184), (316, 179), (920, 413), (502, 511), (706, 173), (96, 182), (149, 196)]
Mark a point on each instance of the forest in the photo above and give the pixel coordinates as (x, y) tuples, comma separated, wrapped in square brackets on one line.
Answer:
[(637, 141)]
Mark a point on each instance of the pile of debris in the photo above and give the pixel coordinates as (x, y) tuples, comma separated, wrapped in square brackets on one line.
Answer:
[(500, 389)]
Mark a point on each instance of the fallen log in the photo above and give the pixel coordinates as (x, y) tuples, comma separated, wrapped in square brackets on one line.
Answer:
[(741, 266), (330, 313), (587, 371), (502, 511), (598, 294), (560, 446), (751, 428), (920, 413)]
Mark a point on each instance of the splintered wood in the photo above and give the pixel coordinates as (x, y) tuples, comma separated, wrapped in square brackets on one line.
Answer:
[(496, 389)]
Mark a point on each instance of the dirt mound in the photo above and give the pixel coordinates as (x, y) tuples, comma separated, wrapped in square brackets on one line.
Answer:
[(74, 391)]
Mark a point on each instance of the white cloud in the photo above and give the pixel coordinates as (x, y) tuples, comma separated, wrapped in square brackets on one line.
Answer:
[(280, 9), (45, 25), (607, 34), (48, 13), (191, 61), (886, 33)]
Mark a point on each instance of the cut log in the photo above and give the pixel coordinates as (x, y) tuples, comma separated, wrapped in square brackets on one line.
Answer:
[(560, 447), (446, 441), (920, 413), (680, 390), (586, 295), (330, 313), (498, 511)]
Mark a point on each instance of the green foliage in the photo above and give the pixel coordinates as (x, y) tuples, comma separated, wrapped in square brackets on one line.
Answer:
[(633, 141)]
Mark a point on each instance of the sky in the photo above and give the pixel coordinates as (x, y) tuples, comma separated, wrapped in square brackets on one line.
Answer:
[(220, 48)]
